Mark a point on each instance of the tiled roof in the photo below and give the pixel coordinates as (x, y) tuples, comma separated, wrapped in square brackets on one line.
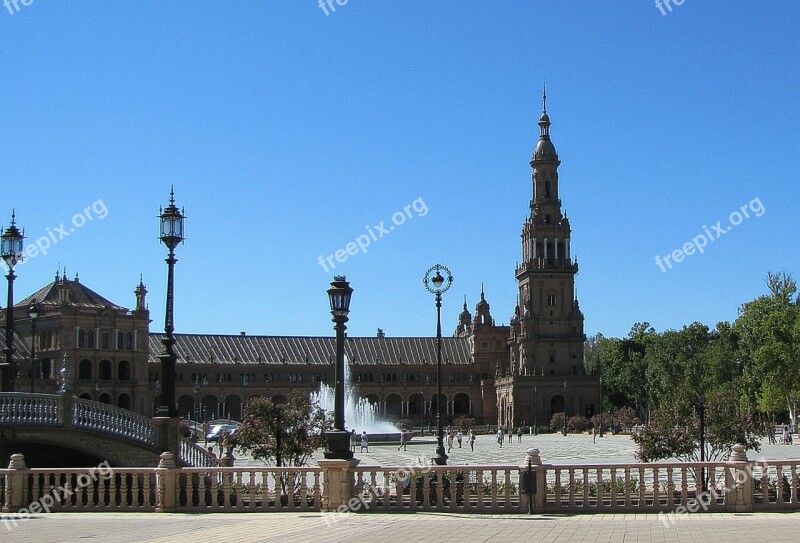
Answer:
[(21, 352), (232, 349), (79, 295)]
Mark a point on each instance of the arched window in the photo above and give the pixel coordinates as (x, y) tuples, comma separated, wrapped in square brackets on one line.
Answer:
[(120, 340), (81, 339), (85, 369), (90, 339), (105, 370), (124, 370), (129, 341), (547, 189)]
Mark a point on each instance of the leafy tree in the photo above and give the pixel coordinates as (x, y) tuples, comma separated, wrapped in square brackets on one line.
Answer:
[(557, 422), (674, 430), (283, 434), (769, 332), (626, 417), (578, 424)]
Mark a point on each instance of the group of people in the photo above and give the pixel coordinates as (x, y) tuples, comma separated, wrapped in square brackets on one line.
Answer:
[(786, 435), (508, 433)]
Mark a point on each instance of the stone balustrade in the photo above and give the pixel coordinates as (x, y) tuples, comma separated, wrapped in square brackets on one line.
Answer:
[(339, 486), (101, 417)]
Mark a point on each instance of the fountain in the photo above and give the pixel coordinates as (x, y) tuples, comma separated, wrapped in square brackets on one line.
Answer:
[(359, 414)]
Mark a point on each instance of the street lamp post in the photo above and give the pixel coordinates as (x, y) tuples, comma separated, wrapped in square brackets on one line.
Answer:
[(171, 235), (11, 248), (535, 412), (196, 391), (33, 315), (440, 286), (701, 407), (339, 296), (245, 382), (96, 391), (601, 405), (565, 407)]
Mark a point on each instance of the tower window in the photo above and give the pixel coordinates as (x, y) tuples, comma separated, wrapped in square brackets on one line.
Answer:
[(547, 219), (547, 189), (551, 299), (552, 359)]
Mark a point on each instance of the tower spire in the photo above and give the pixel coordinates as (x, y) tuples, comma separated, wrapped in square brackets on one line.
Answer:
[(544, 98)]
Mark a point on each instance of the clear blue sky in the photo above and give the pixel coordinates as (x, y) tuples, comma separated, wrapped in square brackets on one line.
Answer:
[(286, 131)]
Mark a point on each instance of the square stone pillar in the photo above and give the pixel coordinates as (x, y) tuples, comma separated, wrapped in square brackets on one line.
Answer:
[(15, 485), (738, 482), (339, 483)]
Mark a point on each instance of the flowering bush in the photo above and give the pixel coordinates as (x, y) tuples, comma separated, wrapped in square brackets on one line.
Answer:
[(283, 434)]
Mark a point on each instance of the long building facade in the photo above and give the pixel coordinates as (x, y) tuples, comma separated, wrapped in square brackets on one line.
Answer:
[(516, 375)]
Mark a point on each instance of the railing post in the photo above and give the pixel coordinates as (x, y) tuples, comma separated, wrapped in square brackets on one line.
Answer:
[(738, 482), (528, 473), (540, 497), (166, 474), (227, 460), (339, 484), (65, 410), (15, 485)]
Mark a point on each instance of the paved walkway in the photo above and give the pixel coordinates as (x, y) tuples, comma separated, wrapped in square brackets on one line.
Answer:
[(405, 528)]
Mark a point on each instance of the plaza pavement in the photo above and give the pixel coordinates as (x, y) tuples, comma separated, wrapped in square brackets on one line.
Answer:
[(405, 528), (553, 449)]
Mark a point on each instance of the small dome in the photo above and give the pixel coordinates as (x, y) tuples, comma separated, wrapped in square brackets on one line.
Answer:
[(544, 149)]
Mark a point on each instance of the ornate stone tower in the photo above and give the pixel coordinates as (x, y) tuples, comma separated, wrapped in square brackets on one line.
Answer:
[(547, 327)]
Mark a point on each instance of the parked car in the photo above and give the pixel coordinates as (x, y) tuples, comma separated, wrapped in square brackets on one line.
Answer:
[(216, 431)]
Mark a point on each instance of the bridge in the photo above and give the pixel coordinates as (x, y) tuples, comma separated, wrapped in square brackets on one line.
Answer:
[(60, 430)]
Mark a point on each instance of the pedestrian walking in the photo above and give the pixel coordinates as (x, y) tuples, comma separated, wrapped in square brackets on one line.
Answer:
[(519, 434), (472, 440), (500, 437), (364, 442), (459, 437), (402, 441)]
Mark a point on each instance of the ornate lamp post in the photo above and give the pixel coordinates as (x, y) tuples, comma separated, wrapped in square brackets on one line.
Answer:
[(171, 235), (12, 253), (565, 407), (440, 286), (339, 439), (535, 412), (33, 315)]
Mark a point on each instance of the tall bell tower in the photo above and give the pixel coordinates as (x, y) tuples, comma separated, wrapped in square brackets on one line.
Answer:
[(546, 373)]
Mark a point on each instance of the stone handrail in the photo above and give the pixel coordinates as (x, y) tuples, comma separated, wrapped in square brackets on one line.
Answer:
[(101, 417), (192, 454), (417, 488), (674, 488), (29, 409)]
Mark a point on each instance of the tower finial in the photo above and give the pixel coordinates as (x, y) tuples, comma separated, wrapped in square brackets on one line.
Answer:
[(544, 98), (482, 291)]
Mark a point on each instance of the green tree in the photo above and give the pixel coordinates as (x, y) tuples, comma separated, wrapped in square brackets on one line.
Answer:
[(282, 434), (769, 332), (674, 431)]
